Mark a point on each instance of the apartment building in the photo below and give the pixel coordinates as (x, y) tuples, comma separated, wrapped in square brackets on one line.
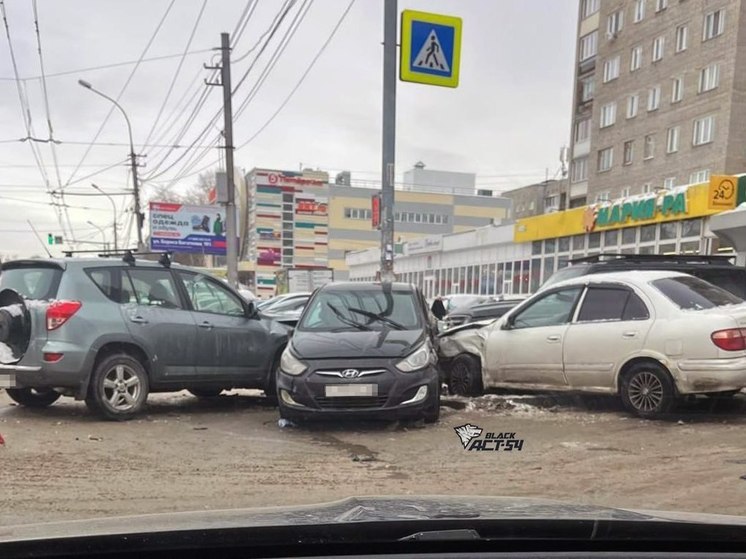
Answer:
[(658, 102)]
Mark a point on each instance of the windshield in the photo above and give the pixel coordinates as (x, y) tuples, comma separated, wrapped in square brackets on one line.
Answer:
[(695, 294), (336, 310), (32, 283)]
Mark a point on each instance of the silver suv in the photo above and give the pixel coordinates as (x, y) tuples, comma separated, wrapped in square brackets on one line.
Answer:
[(109, 331)]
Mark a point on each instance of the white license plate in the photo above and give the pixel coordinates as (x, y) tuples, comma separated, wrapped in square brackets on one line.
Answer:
[(347, 390)]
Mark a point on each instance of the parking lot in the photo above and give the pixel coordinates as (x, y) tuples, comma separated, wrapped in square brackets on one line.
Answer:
[(227, 452)]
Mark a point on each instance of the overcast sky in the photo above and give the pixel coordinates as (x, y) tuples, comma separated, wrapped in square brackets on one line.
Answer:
[(505, 122)]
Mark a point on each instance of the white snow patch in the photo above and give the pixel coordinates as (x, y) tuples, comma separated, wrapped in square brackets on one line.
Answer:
[(14, 310), (6, 354)]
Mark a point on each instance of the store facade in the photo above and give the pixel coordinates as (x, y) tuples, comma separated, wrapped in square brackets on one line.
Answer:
[(515, 259)]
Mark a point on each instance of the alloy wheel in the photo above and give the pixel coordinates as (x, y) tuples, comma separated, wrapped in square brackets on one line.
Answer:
[(121, 388), (645, 391)]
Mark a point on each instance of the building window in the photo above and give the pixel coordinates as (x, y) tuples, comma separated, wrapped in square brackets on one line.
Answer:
[(661, 5), (702, 175), (614, 23), (358, 213), (588, 45), (639, 13), (582, 130), (589, 7), (669, 183), (586, 92), (646, 188), (649, 148), (714, 24), (579, 171), (677, 89), (611, 69), (682, 37), (704, 130), (709, 78), (658, 46), (635, 59), (629, 236), (605, 159), (654, 98), (603, 197), (626, 191), (629, 148), (633, 102), (672, 139), (608, 115)]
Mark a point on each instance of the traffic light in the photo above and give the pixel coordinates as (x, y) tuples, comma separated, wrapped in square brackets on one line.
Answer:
[(50, 239)]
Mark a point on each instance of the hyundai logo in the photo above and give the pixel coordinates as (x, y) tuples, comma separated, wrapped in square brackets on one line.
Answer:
[(350, 373)]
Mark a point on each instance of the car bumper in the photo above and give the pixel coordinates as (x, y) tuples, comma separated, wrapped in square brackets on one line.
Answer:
[(711, 375), (71, 371), (396, 398)]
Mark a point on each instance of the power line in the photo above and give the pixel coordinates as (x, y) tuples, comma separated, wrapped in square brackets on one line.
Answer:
[(124, 87), (290, 95), (176, 73)]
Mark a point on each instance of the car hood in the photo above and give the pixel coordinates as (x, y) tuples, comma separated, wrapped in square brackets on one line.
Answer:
[(382, 509), (345, 345)]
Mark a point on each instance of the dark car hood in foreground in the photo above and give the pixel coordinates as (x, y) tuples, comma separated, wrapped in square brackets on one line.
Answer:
[(354, 344), (408, 513)]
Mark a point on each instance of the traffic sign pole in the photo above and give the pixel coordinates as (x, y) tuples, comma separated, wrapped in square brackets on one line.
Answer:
[(389, 140)]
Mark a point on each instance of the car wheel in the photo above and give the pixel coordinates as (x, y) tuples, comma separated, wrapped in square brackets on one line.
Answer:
[(119, 387), (205, 392), (33, 397), (466, 376), (431, 413), (647, 390), (270, 392)]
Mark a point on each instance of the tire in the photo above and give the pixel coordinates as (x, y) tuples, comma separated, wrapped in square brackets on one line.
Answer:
[(270, 391), (648, 391), (465, 378), (431, 413), (205, 392), (118, 374), (33, 397)]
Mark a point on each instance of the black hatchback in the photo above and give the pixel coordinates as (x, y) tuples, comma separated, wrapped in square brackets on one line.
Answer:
[(362, 350)]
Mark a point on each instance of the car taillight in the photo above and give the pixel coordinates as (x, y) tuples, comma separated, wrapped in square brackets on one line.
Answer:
[(733, 339), (59, 312)]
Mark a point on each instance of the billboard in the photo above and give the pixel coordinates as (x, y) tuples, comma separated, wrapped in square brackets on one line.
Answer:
[(191, 229)]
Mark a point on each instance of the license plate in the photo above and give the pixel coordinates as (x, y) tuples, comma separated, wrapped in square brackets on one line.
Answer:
[(7, 381), (348, 390)]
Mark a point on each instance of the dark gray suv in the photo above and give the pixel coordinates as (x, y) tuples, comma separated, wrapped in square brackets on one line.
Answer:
[(111, 330)]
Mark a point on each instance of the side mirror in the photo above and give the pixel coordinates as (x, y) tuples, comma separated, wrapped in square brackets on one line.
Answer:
[(507, 323), (251, 311)]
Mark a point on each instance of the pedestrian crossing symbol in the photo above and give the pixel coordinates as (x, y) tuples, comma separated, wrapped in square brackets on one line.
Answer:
[(430, 48)]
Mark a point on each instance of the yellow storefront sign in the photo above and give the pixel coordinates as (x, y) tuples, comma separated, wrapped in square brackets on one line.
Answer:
[(696, 201)]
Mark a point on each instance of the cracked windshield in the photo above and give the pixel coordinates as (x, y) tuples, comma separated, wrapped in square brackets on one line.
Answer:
[(482, 256)]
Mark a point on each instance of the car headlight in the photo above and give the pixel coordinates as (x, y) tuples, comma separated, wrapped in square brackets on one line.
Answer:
[(290, 364), (418, 359)]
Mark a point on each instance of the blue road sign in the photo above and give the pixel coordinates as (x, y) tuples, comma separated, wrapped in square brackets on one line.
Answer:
[(430, 48)]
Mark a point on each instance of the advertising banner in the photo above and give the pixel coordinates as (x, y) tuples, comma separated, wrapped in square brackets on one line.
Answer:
[(190, 229)]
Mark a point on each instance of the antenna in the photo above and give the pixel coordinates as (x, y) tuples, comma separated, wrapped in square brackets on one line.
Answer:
[(38, 237)]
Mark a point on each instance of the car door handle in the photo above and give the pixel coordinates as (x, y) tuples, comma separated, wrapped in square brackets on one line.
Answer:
[(554, 338), (138, 320), (629, 335), (206, 325)]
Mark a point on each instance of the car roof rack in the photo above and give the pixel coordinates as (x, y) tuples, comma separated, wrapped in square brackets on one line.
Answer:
[(679, 258), (128, 255)]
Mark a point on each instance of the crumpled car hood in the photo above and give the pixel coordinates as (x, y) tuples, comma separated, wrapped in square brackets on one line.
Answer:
[(468, 338), (356, 509)]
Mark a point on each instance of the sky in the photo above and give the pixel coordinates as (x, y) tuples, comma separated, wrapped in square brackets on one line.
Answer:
[(506, 121)]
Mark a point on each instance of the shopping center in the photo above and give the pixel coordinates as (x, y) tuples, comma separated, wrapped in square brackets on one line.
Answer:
[(516, 258)]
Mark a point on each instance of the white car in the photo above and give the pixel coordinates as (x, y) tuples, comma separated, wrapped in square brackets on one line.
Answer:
[(647, 336)]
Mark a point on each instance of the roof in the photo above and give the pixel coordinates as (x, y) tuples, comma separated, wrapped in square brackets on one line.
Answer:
[(63, 263), (365, 286), (635, 277)]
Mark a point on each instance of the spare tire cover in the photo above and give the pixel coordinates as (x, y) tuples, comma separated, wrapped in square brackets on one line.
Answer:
[(15, 325)]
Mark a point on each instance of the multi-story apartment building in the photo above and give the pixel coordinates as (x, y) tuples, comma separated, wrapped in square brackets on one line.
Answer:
[(658, 100)]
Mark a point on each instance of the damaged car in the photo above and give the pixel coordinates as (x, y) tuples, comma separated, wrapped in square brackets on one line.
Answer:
[(648, 337)]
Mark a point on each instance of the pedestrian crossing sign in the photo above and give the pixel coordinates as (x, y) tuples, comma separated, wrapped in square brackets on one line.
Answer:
[(430, 48)]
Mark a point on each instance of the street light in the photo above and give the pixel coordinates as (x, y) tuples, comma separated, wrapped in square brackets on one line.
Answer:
[(101, 230), (133, 160), (114, 210)]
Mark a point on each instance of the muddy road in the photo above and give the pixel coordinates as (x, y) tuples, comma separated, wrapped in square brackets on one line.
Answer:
[(227, 452)]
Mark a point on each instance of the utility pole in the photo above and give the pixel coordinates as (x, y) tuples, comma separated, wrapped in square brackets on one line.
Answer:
[(389, 140), (231, 232)]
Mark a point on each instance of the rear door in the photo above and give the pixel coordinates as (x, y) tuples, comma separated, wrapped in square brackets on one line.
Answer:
[(230, 346), (611, 326), (158, 319)]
